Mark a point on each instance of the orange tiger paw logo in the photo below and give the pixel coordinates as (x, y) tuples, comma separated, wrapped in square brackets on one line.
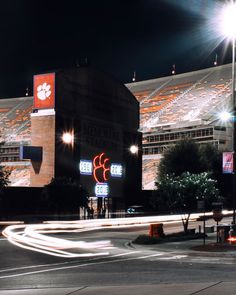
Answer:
[(101, 168)]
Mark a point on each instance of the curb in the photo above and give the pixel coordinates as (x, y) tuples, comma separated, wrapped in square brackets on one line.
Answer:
[(188, 251)]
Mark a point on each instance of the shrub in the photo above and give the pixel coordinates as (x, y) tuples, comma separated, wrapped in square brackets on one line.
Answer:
[(146, 240)]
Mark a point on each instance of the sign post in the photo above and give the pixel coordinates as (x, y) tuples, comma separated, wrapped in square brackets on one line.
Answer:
[(217, 216), (201, 206)]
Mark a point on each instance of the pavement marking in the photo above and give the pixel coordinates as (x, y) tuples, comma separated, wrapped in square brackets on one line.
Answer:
[(76, 266), (151, 255), (212, 260), (124, 254), (61, 263), (173, 257), (208, 287)]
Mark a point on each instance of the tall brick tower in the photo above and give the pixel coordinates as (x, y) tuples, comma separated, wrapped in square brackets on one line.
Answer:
[(43, 129)]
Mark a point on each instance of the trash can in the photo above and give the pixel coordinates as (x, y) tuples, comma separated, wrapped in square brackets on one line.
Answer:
[(156, 230)]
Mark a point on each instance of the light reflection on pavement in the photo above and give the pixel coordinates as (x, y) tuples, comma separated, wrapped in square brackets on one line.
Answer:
[(38, 237)]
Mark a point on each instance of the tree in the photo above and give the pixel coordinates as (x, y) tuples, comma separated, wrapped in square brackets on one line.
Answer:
[(211, 159), (187, 156), (181, 193), (4, 178), (63, 195), (4, 181), (4, 174), (182, 157)]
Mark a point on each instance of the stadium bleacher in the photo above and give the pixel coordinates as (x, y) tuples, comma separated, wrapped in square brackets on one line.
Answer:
[(20, 175), (15, 119), (149, 172), (15, 130), (181, 97), (176, 104)]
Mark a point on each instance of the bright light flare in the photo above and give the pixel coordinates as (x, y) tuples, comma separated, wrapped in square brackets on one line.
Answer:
[(68, 137), (225, 116), (133, 149), (232, 240), (227, 21)]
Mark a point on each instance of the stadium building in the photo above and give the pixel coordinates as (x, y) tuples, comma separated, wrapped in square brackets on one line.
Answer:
[(171, 108), (180, 106), (80, 123)]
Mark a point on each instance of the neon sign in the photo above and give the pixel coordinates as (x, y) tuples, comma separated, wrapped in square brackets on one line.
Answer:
[(101, 169), (101, 189), (116, 170), (86, 167)]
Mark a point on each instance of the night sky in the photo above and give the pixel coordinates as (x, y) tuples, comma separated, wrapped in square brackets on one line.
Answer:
[(115, 36)]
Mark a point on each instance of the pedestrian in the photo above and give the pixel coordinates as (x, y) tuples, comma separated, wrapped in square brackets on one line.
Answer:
[(104, 212), (221, 235), (91, 212), (88, 213)]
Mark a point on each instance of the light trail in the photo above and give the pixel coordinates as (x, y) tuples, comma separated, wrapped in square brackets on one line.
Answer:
[(37, 237), (30, 237)]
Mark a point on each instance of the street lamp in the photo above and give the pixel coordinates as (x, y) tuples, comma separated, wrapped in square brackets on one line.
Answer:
[(225, 116), (68, 138), (133, 149), (228, 29)]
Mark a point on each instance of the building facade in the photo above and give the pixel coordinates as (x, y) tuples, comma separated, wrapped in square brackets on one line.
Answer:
[(82, 124)]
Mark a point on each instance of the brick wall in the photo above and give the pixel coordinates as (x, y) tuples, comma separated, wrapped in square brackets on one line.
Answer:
[(43, 134)]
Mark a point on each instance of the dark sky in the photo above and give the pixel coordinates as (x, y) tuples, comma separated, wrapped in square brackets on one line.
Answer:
[(116, 36)]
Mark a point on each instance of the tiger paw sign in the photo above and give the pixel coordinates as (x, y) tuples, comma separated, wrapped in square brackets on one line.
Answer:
[(44, 91)]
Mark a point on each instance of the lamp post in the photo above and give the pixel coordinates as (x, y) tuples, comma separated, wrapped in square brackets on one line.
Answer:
[(227, 23), (234, 125)]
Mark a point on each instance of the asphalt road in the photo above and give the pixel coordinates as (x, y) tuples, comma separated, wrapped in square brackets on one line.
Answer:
[(124, 265)]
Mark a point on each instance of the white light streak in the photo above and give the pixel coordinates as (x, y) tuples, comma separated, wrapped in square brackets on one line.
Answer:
[(30, 237), (36, 237)]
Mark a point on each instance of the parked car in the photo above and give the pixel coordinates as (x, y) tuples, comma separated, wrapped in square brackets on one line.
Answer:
[(135, 210)]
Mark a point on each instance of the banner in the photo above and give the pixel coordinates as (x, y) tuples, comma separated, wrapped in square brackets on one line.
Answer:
[(44, 91), (228, 162)]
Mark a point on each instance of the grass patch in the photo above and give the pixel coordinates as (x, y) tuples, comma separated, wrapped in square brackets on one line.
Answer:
[(215, 247), (175, 237)]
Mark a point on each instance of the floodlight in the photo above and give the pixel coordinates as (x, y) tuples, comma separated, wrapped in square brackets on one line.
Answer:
[(227, 21), (225, 116), (133, 149), (68, 137)]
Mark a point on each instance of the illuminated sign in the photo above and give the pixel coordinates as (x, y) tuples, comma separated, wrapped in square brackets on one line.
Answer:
[(116, 170), (228, 162), (101, 189), (86, 167), (44, 91), (102, 170)]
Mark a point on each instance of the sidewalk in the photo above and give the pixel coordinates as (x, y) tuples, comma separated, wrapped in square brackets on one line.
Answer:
[(211, 288)]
